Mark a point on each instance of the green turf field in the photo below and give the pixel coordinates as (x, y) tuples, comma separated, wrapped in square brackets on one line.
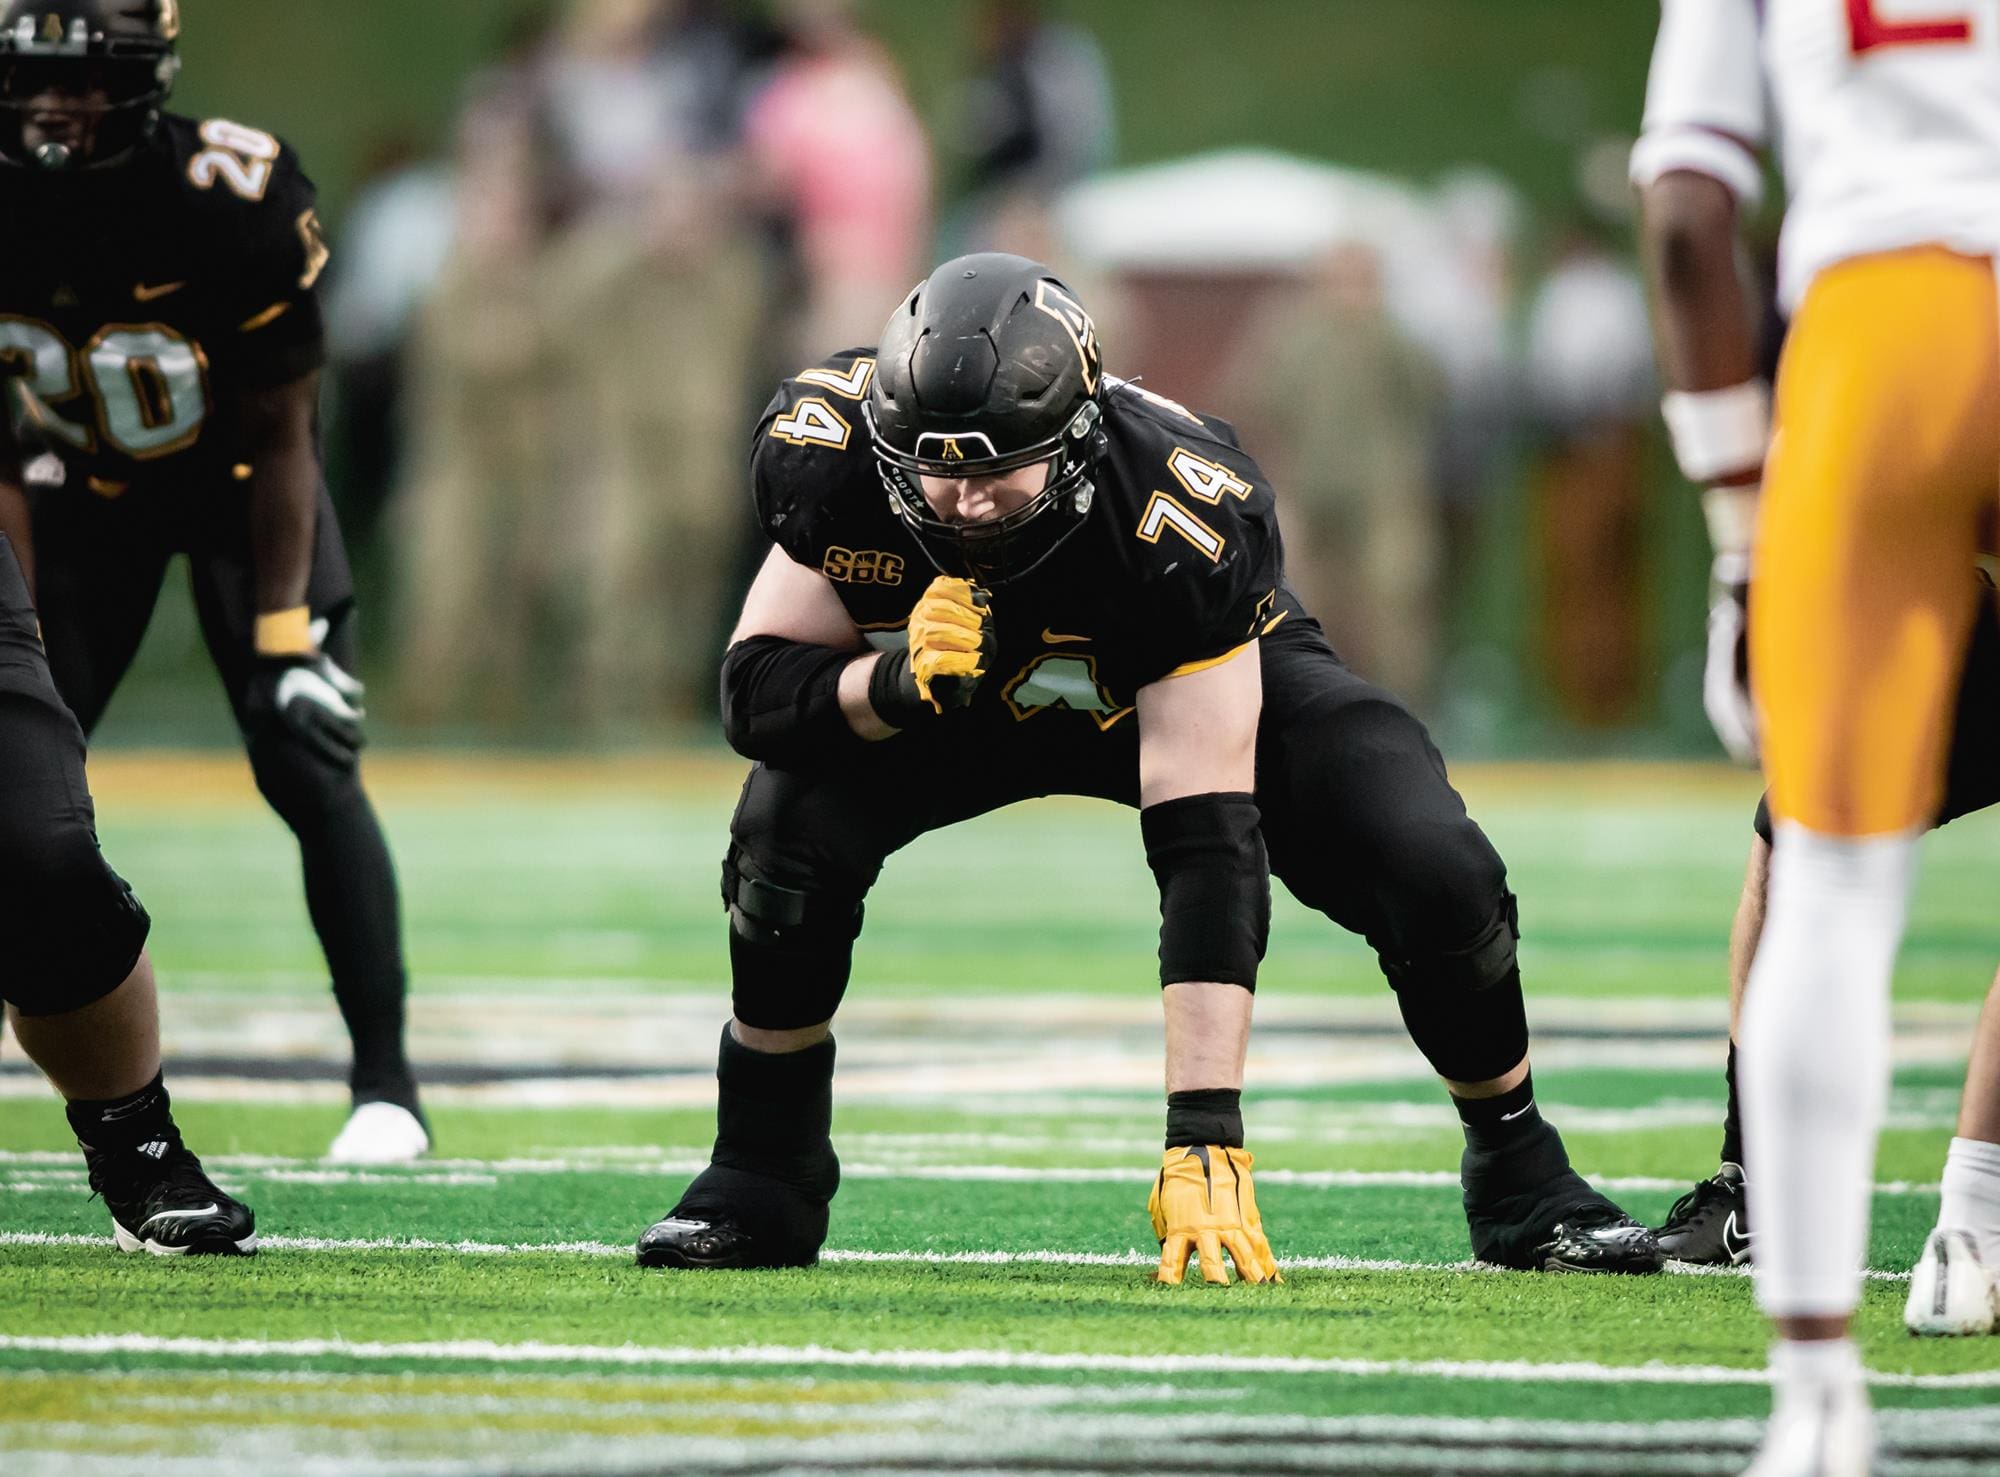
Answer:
[(984, 1305)]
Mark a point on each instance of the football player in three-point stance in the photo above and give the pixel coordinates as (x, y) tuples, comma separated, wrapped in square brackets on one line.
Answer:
[(158, 307), (1883, 471), (999, 574)]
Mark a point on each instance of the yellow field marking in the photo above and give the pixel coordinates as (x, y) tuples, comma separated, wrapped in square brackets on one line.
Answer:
[(171, 778)]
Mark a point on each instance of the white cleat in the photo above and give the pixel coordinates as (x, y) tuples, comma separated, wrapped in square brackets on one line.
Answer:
[(1952, 1291), (380, 1133), (1818, 1430)]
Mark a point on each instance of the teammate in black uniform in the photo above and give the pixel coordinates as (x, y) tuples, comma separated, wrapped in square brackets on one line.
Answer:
[(158, 306), (1108, 618), (76, 983)]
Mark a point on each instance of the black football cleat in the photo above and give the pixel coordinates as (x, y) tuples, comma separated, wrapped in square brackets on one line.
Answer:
[(161, 1202), (735, 1218), (1710, 1225), (1527, 1209), (720, 1245), (1599, 1237)]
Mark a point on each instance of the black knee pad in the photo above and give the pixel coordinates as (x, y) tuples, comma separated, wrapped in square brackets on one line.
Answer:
[(300, 785), (1463, 1005), (790, 948), (72, 929), (79, 929)]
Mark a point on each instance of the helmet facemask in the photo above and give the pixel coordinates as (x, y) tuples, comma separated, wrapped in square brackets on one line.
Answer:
[(993, 551), (109, 87)]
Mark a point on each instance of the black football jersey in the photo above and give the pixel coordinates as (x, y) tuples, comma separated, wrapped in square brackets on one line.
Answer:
[(135, 298), (1177, 563)]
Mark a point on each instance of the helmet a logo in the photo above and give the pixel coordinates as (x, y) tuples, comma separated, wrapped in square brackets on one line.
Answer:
[(952, 452), (1052, 298), (52, 28)]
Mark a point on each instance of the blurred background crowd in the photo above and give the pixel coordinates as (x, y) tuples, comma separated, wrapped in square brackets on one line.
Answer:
[(578, 241)]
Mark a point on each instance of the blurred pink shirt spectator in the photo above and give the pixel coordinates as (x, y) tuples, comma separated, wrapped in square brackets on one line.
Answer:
[(843, 155)]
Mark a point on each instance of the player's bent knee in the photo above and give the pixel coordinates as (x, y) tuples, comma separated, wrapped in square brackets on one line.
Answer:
[(1462, 1001), (80, 930), (300, 785), (790, 947)]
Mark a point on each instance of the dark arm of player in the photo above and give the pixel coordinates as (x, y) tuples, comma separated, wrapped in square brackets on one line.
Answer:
[(278, 426), (1717, 411), (1704, 322), (795, 677), (13, 493)]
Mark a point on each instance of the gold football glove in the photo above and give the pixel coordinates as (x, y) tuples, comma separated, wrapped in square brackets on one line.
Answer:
[(1202, 1203), (952, 641)]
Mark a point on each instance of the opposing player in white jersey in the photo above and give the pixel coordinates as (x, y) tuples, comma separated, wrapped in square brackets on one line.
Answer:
[(1884, 463)]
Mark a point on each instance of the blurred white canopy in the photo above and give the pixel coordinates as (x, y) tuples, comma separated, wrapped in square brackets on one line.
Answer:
[(1257, 211)]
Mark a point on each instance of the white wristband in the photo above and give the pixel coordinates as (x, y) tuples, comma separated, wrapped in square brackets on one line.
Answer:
[(1719, 433), (1732, 519)]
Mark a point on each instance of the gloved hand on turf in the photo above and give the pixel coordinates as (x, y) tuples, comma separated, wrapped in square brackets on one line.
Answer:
[(951, 644), (309, 695), (1202, 1202)]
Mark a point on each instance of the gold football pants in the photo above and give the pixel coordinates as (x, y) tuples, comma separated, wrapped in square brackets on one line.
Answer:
[(1883, 470)]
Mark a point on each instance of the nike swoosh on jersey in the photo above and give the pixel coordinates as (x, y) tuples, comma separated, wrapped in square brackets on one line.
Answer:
[(180, 1215), (144, 294), (1056, 638)]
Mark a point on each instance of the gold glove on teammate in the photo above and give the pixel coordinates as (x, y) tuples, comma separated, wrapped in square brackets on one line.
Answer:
[(951, 641), (1203, 1203), (951, 644)]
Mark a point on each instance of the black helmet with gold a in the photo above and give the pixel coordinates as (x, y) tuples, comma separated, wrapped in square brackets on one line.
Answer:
[(82, 82)]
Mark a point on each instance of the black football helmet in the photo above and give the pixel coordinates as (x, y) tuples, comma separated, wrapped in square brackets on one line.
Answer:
[(123, 48), (989, 365)]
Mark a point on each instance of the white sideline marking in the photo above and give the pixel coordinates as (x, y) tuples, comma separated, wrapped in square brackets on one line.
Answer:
[(651, 1161), (1132, 1258), (485, 1351)]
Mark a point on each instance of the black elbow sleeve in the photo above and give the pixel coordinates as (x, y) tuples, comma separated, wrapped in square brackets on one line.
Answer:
[(1207, 853), (781, 700)]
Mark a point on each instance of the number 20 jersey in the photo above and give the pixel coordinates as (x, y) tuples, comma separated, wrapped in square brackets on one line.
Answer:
[(134, 298), (1177, 564), (1888, 113)]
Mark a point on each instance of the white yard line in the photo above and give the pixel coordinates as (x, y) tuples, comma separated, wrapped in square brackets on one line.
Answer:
[(1131, 1258), (634, 1160), (485, 1351)]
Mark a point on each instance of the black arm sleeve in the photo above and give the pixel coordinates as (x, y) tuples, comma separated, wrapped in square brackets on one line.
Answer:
[(781, 700), (1207, 853)]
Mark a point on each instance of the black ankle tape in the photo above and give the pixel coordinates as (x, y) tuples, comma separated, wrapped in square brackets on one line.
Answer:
[(1732, 1116), (1497, 1122), (132, 1119), (784, 1077), (1209, 1115), (774, 1113)]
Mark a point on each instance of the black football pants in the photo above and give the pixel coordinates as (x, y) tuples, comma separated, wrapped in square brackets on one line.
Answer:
[(72, 927), (100, 565), (1359, 818)]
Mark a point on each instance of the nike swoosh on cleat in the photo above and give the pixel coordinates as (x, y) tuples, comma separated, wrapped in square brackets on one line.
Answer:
[(1056, 638), (179, 1215), (1735, 1241), (144, 294)]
